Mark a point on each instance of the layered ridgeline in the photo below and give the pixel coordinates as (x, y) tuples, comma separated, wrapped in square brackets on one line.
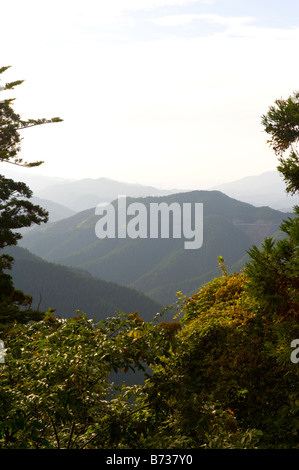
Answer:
[(78, 195), (66, 290), (88, 192), (266, 189), (158, 267)]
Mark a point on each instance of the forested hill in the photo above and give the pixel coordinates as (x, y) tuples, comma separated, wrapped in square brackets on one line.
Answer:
[(66, 290), (159, 267)]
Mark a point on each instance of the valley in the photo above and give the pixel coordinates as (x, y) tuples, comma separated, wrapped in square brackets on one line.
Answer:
[(157, 268)]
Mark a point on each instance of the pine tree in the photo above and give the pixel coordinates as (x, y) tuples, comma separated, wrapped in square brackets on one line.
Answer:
[(16, 211)]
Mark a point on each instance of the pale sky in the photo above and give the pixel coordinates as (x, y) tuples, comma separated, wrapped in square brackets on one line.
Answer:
[(162, 92)]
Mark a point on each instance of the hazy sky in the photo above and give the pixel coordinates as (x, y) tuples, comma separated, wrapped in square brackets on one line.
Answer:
[(162, 92)]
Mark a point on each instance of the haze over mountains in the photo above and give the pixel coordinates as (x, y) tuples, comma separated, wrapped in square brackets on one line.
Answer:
[(88, 192), (67, 267), (267, 189), (78, 195)]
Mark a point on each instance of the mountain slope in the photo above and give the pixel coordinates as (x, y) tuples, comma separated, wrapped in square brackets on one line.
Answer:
[(56, 211), (66, 290), (158, 267)]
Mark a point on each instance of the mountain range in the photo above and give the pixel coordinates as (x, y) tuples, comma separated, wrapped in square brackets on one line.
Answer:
[(63, 264), (266, 189), (158, 267), (78, 195), (88, 193)]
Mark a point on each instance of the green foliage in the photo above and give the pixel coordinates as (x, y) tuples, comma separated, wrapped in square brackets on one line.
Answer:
[(222, 378), (282, 123), (229, 356), (56, 390), (16, 213), (273, 271)]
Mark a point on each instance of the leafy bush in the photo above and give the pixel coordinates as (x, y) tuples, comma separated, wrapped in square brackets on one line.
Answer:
[(56, 389), (232, 353)]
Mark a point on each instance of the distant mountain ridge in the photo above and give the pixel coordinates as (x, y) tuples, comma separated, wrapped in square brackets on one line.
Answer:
[(266, 189), (35, 181), (158, 267), (88, 193), (77, 195)]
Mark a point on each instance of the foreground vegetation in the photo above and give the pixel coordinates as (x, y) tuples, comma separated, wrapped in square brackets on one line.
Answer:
[(222, 374)]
